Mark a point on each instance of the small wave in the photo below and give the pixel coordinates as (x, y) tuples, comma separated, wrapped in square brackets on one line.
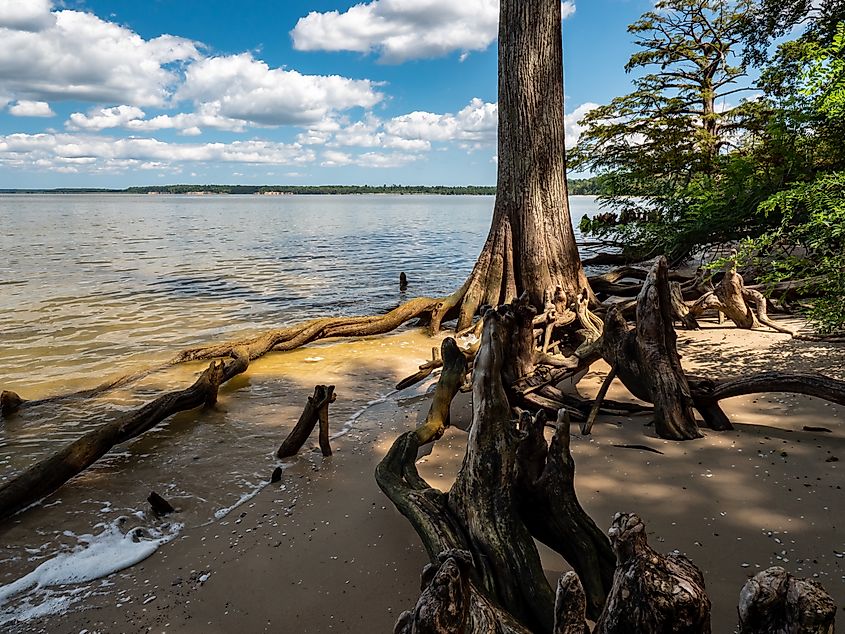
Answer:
[(246, 497), (96, 556)]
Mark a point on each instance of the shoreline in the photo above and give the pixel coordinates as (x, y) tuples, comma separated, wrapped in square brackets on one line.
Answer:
[(324, 550)]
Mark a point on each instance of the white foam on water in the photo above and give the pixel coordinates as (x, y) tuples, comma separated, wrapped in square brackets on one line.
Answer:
[(95, 557), (246, 497), (350, 422)]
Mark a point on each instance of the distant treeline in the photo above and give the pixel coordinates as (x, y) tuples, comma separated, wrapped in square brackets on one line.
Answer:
[(577, 187)]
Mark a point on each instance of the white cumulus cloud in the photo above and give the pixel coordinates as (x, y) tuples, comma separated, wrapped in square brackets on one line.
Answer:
[(31, 109), (26, 15), (572, 125), (96, 152), (399, 30), (241, 87), (477, 122), (71, 55)]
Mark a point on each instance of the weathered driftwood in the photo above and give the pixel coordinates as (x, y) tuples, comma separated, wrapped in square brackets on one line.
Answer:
[(451, 379), (587, 427), (646, 360), (424, 371), (775, 602), (651, 592), (680, 310), (46, 476), (316, 409), (733, 299)]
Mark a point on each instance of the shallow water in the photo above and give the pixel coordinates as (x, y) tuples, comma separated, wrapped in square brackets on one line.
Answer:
[(94, 286)]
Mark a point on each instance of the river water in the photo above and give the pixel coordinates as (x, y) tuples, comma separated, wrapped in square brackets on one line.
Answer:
[(95, 286)]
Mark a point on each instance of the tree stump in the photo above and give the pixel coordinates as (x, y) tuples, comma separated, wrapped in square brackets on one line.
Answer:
[(651, 592), (646, 360), (775, 602), (316, 409)]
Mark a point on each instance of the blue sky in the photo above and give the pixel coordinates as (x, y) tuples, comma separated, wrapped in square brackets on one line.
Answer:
[(112, 94)]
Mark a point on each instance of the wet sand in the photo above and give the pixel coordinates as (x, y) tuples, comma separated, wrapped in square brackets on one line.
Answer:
[(324, 550)]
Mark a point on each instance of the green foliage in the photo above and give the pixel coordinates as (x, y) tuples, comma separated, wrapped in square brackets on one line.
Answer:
[(679, 175), (825, 76), (808, 242)]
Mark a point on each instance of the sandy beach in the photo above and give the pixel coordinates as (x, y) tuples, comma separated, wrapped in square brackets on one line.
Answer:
[(324, 551)]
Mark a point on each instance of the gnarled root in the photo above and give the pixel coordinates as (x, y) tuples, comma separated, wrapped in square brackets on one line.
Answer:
[(451, 379), (707, 393), (773, 601), (646, 359), (549, 507), (651, 592), (731, 297), (450, 603)]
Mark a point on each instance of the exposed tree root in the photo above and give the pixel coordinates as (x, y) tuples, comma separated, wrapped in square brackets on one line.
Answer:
[(774, 601), (707, 393), (484, 512), (255, 347), (46, 476), (316, 409), (651, 593), (732, 298), (646, 360), (451, 380)]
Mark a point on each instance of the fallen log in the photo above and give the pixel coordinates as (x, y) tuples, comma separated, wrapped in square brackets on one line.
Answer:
[(46, 476), (316, 409)]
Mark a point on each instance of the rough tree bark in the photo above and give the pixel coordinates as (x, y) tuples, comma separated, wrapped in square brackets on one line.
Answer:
[(775, 602), (489, 511), (651, 592), (646, 359), (531, 245)]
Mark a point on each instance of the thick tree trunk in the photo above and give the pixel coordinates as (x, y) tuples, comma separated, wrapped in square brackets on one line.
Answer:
[(531, 245)]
